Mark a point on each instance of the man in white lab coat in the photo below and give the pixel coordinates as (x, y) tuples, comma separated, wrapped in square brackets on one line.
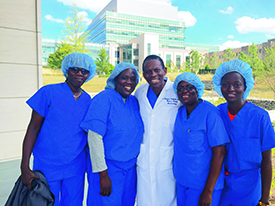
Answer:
[(159, 104)]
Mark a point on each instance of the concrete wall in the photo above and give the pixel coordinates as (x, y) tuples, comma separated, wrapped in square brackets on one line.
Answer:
[(20, 69), (142, 41)]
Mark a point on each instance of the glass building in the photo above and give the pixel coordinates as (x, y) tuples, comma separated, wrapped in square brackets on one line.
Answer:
[(129, 30), (119, 28)]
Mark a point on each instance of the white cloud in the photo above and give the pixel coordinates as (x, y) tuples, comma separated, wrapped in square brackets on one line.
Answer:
[(230, 37), (233, 44), (50, 18), (247, 24), (219, 38), (229, 10), (269, 36), (95, 6), (85, 17), (187, 17)]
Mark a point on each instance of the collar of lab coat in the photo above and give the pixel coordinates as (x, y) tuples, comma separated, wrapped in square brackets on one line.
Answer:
[(168, 85)]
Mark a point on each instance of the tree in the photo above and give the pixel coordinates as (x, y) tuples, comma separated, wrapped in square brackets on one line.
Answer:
[(55, 59), (71, 41), (243, 57), (268, 74), (195, 61), (228, 55), (102, 62), (214, 62), (254, 61), (73, 31)]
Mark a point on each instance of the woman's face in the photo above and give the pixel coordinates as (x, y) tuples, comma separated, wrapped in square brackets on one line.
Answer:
[(187, 93), (233, 86), (77, 76), (126, 82)]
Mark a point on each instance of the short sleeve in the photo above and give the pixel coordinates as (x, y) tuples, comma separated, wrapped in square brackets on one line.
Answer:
[(96, 118), (216, 131), (267, 133), (40, 101)]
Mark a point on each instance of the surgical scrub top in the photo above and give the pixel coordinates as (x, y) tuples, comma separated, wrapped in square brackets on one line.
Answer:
[(251, 132), (59, 148), (119, 124), (193, 139)]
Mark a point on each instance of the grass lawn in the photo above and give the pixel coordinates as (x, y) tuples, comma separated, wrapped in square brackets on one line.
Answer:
[(97, 84)]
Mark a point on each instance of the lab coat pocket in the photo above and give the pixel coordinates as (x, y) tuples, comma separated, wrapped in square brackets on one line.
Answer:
[(249, 149), (142, 160), (166, 157)]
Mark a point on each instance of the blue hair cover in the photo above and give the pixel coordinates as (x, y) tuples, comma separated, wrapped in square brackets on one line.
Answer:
[(192, 79), (116, 71), (79, 60), (236, 65)]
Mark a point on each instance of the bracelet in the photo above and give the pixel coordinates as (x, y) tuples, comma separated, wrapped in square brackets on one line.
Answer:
[(263, 204)]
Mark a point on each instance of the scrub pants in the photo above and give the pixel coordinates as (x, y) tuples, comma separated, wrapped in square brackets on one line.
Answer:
[(123, 186), (242, 189), (187, 196), (68, 192)]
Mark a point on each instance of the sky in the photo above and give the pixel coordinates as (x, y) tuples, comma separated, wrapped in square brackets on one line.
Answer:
[(226, 23)]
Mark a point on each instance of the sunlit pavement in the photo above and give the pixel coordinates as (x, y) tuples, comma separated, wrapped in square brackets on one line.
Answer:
[(9, 173)]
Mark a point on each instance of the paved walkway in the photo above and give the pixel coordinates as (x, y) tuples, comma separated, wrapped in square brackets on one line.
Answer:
[(9, 173)]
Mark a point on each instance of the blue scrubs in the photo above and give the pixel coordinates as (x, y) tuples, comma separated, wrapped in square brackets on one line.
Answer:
[(59, 150), (194, 136), (251, 133), (121, 127), (152, 97)]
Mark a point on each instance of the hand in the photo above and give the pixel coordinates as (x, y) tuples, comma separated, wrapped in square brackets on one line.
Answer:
[(105, 184), (205, 198), (27, 176)]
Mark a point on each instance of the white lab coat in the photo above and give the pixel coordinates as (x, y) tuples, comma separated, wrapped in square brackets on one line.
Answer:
[(156, 185)]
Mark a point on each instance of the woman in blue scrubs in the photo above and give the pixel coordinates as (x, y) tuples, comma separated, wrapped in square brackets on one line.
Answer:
[(115, 131), (248, 160), (199, 145), (54, 134)]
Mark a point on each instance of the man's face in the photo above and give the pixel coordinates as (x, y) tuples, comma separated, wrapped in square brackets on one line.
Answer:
[(154, 74)]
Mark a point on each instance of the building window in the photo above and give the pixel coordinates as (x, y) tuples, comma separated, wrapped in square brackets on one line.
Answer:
[(149, 49), (136, 62), (178, 60), (117, 54), (135, 51), (168, 59)]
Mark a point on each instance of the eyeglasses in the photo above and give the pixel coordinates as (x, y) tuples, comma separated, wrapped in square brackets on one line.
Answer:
[(76, 70), (188, 88)]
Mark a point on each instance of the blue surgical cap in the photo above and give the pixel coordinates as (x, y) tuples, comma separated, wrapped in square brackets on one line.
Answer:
[(234, 66), (192, 79), (117, 70), (80, 60)]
